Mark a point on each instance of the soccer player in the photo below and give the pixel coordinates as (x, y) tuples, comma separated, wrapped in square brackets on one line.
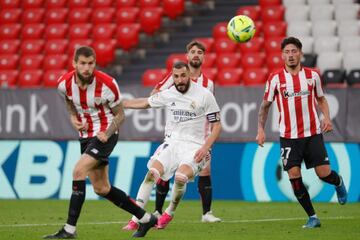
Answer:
[(93, 101), (185, 150), (297, 90), (195, 56)]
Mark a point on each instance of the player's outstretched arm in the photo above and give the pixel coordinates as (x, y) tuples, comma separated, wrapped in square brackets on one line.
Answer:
[(137, 103), (326, 125), (263, 113)]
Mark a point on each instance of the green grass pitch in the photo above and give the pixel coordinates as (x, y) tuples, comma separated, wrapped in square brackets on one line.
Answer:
[(31, 219)]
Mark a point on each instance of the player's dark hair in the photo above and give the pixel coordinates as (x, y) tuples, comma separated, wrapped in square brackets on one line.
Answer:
[(179, 65), (195, 43), (85, 51), (291, 40)]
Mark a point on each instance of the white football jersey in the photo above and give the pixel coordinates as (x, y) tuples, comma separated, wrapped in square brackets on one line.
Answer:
[(186, 113)]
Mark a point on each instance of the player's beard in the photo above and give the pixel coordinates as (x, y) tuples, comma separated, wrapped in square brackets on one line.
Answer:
[(85, 79), (182, 87), (195, 64)]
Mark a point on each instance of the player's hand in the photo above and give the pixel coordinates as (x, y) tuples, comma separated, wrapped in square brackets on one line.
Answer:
[(260, 138), (326, 125), (201, 154), (102, 137), (78, 125)]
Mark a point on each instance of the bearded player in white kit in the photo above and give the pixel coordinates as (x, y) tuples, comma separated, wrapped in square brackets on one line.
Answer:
[(187, 142)]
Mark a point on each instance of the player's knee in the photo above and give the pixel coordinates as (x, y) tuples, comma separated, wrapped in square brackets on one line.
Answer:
[(79, 174), (181, 178), (102, 190), (153, 175)]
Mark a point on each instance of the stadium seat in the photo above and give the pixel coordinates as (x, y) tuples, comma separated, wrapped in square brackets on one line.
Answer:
[(251, 11), (79, 31), (149, 3), (346, 12), (9, 46), (332, 77), (274, 61), (56, 15), (228, 60), (9, 61), (125, 3), (351, 60), (288, 3), (56, 46), (324, 28), (173, 58), (208, 43), (55, 62), (150, 19), (31, 61), (318, 2), (104, 31), (275, 29), (79, 3), (56, 31), (173, 8), (79, 15), (273, 44), (265, 3), (127, 15), (26, 4), (8, 78), (255, 45), (348, 44), (326, 44), (229, 77), (272, 13), (73, 44), (309, 60), (329, 60), (9, 4), (151, 77), (127, 35), (307, 44), (296, 13), (56, 4), (103, 15), (353, 77), (102, 3), (32, 46), (253, 60), (349, 28), (209, 60), (255, 76), (33, 15), (224, 45), (33, 31), (259, 29), (51, 77), (220, 30), (301, 28), (10, 31), (210, 73), (30, 78), (322, 12), (11, 15), (105, 51)]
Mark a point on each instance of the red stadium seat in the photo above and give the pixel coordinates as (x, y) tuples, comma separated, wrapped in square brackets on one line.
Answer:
[(151, 77), (104, 31), (150, 19), (79, 3), (56, 15), (255, 76), (105, 51), (56, 4), (73, 44), (173, 58), (229, 77), (173, 8), (273, 44), (33, 15), (9, 4), (26, 4), (272, 13), (51, 77), (102, 3), (8, 78), (10, 31), (56, 31), (79, 31), (79, 15), (274, 61), (127, 35), (149, 3), (31, 62), (208, 43), (11, 15), (33, 31), (103, 15), (228, 60), (127, 15), (275, 29), (32, 46), (251, 11), (210, 73), (252, 60), (255, 45), (265, 3), (259, 28), (220, 30), (125, 3), (55, 62), (9, 46), (209, 60), (56, 46), (30, 78), (9, 61), (224, 45)]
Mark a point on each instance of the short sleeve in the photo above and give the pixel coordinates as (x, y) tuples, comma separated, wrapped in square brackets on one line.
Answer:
[(112, 94), (270, 88), (211, 105), (318, 86), (157, 100), (61, 87)]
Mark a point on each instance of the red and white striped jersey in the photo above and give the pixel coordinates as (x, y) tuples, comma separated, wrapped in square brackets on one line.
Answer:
[(202, 80), (94, 103), (296, 100)]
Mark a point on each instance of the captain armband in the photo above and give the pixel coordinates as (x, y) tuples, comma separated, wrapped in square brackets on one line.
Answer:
[(213, 117)]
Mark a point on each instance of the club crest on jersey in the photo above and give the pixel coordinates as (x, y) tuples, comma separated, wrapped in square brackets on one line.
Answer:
[(309, 81), (193, 105), (97, 100)]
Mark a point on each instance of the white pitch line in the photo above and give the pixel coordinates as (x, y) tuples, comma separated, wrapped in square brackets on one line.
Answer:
[(179, 222)]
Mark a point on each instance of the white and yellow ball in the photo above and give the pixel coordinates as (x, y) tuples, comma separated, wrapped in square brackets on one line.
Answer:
[(241, 29)]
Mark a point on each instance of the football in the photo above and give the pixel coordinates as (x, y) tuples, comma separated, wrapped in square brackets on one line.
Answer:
[(241, 28)]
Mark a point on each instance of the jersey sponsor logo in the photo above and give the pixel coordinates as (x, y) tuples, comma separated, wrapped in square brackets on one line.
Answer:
[(288, 94), (182, 115)]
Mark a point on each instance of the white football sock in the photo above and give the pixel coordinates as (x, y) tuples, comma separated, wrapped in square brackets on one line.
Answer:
[(177, 193)]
